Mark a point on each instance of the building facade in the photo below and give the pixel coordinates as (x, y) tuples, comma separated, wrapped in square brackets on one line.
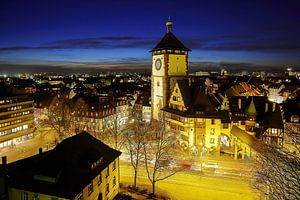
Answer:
[(169, 63), (16, 120), (80, 167)]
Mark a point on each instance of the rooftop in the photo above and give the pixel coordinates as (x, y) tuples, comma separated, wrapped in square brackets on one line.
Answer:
[(65, 170)]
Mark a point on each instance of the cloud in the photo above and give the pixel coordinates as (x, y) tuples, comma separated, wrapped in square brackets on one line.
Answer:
[(245, 43), (108, 42), (234, 42), (90, 43)]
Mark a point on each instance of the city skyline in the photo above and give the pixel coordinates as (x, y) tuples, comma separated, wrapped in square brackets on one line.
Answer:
[(118, 35)]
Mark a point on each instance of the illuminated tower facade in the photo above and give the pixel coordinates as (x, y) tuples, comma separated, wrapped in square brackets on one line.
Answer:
[(169, 63)]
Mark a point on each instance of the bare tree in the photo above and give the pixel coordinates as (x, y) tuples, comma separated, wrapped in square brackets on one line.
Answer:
[(157, 154), (112, 133), (135, 139), (60, 118), (278, 173)]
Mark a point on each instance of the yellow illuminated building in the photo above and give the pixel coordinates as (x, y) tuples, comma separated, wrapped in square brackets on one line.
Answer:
[(16, 120), (80, 168), (169, 63), (193, 116)]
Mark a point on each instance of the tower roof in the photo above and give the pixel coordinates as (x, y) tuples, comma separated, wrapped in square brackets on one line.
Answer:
[(170, 42), (251, 109)]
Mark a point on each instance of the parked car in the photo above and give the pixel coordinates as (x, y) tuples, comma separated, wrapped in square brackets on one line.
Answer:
[(211, 165)]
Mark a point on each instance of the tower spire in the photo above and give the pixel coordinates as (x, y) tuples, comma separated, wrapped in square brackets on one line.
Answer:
[(169, 25)]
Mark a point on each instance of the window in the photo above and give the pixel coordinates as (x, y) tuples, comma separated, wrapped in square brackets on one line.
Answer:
[(212, 121), (107, 188), (114, 165), (243, 122), (24, 196), (212, 131), (212, 140), (80, 196), (35, 196), (178, 99), (114, 181), (174, 98), (157, 83), (99, 179), (90, 188), (107, 171), (274, 131), (225, 126)]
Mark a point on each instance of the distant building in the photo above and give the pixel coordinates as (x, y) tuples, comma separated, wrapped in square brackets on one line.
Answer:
[(143, 105), (16, 120), (80, 167), (275, 92), (92, 114), (291, 109)]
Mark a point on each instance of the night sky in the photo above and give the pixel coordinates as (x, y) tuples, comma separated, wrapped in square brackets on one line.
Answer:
[(120, 33)]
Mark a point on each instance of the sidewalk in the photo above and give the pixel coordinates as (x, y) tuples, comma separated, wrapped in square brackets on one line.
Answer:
[(42, 139)]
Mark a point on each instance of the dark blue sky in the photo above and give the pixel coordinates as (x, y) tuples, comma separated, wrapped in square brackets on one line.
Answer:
[(91, 33)]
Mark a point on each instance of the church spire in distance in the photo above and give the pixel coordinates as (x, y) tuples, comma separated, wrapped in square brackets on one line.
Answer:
[(169, 25)]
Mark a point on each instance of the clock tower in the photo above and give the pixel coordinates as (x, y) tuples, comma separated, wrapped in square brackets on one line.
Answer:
[(169, 63)]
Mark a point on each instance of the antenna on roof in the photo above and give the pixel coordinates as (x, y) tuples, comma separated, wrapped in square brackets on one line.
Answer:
[(169, 25)]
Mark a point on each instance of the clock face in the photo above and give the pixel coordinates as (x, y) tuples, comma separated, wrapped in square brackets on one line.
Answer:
[(158, 64)]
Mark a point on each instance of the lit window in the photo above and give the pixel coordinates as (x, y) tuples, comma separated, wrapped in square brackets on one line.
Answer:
[(90, 188), (107, 188), (274, 131), (99, 179), (212, 140), (114, 165), (107, 171), (24, 196), (114, 181), (80, 196), (212, 131), (25, 126)]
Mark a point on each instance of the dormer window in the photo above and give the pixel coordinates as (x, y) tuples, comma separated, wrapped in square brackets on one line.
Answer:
[(295, 118), (96, 163)]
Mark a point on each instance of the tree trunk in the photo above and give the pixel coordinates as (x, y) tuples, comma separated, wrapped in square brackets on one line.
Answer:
[(153, 188), (134, 178)]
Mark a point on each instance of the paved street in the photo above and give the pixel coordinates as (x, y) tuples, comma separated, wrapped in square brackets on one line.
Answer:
[(195, 186)]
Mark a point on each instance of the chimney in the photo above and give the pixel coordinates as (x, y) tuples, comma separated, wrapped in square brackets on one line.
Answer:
[(240, 103), (4, 160), (40, 151), (266, 107), (4, 179), (274, 107)]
